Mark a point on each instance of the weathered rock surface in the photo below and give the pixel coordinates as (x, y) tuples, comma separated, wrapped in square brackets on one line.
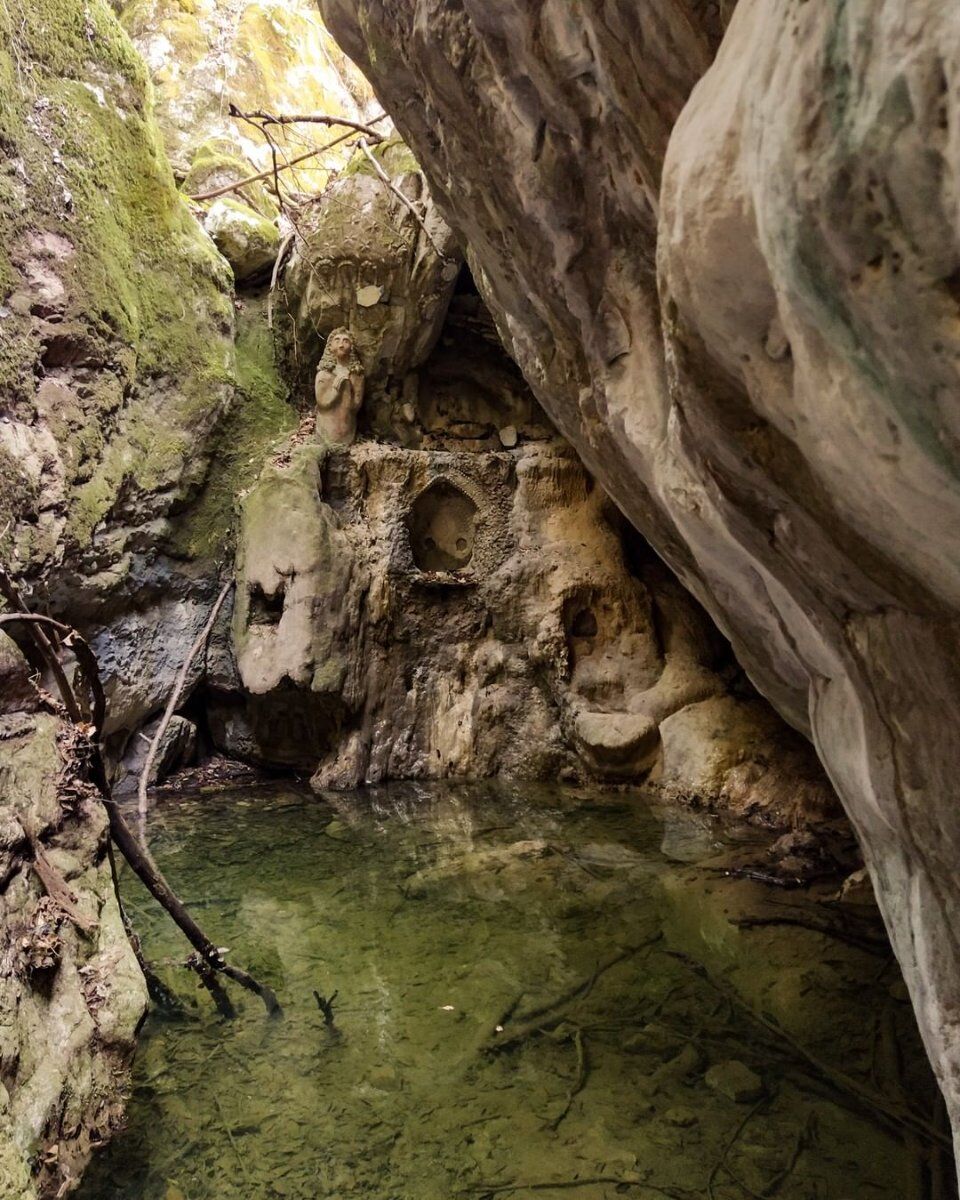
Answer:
[(177, 748), (71, 992), (117, 372), (117, 363), (754, 347), (271, 55), (453, 608), (248, 241), (363, 261)]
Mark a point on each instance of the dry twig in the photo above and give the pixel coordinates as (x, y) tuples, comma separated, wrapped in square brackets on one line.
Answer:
[(214, 193), (388, 182), (261, 118), (179, 683)]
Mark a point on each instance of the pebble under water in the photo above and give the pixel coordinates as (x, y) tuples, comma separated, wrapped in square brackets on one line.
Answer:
[(439, 913)]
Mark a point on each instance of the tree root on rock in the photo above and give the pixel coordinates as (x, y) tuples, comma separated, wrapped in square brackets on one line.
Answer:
[(209, 955)]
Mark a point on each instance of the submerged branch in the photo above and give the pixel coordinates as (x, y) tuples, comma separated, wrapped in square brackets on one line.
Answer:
[(891, 1114), (550, 1014), (650, 1189)]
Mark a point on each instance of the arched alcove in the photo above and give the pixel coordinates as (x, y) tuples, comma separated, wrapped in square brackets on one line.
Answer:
[(442, 525), (584, 624)]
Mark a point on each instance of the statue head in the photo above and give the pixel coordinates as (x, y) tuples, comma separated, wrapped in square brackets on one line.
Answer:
[(341, 351)]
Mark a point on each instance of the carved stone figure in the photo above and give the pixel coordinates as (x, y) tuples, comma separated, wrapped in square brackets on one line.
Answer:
[(339, 389)]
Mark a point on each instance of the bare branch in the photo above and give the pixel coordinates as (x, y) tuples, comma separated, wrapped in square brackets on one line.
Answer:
[(402, 198), (265, 118), (261, 175), (241, 183), (178, 685), (210, 955)]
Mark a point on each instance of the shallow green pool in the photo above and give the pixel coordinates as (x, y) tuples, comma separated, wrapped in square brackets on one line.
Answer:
[(438, 914)]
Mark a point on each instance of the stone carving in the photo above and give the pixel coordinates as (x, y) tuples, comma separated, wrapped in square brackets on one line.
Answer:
[(339, 389), (442, 525)]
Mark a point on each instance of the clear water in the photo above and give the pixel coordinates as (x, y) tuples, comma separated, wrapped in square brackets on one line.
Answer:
[(437, 914)]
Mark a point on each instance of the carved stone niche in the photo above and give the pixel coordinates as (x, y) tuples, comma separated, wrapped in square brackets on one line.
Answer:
[(442, 525)]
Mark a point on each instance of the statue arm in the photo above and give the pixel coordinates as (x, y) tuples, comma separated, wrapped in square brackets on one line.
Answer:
[(327, 389)]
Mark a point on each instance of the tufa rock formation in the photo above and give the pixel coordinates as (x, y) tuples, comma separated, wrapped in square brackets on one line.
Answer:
[(730, 276), (452, 595)]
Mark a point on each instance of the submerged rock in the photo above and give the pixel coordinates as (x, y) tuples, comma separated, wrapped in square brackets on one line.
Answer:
[(736, 1081)]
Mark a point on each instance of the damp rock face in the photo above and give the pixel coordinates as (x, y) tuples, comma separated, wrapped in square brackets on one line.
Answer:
[(67, 972), (118, 369), (730, 277), (454, 608)]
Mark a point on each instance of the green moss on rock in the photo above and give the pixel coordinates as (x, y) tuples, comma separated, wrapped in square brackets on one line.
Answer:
[(393, 154), (257, 424), (248, 241), (104, 265), (216, 164)]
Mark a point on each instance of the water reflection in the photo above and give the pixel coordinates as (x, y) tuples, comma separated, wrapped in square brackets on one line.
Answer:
[(440, 913)]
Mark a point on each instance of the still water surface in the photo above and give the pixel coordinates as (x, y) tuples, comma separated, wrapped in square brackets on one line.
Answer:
[(439, 913)]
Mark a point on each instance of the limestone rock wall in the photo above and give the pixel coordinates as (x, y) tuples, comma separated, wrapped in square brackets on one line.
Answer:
[(464, 613), (71, 992), (732, 284), (117, 373), (117, 360), (274, 55)]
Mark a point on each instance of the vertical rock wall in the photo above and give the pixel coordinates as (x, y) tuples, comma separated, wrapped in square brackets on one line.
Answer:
[(116, 371), (71, 991), (754, 346)]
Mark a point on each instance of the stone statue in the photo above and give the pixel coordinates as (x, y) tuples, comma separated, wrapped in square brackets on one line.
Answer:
[(339, 389)]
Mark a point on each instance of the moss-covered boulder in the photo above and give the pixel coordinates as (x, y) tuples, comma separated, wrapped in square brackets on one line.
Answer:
[(116, 318), (248, 241), (216, 164)]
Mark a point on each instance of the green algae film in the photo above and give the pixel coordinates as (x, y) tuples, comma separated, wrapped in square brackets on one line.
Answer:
[(438, 915)]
